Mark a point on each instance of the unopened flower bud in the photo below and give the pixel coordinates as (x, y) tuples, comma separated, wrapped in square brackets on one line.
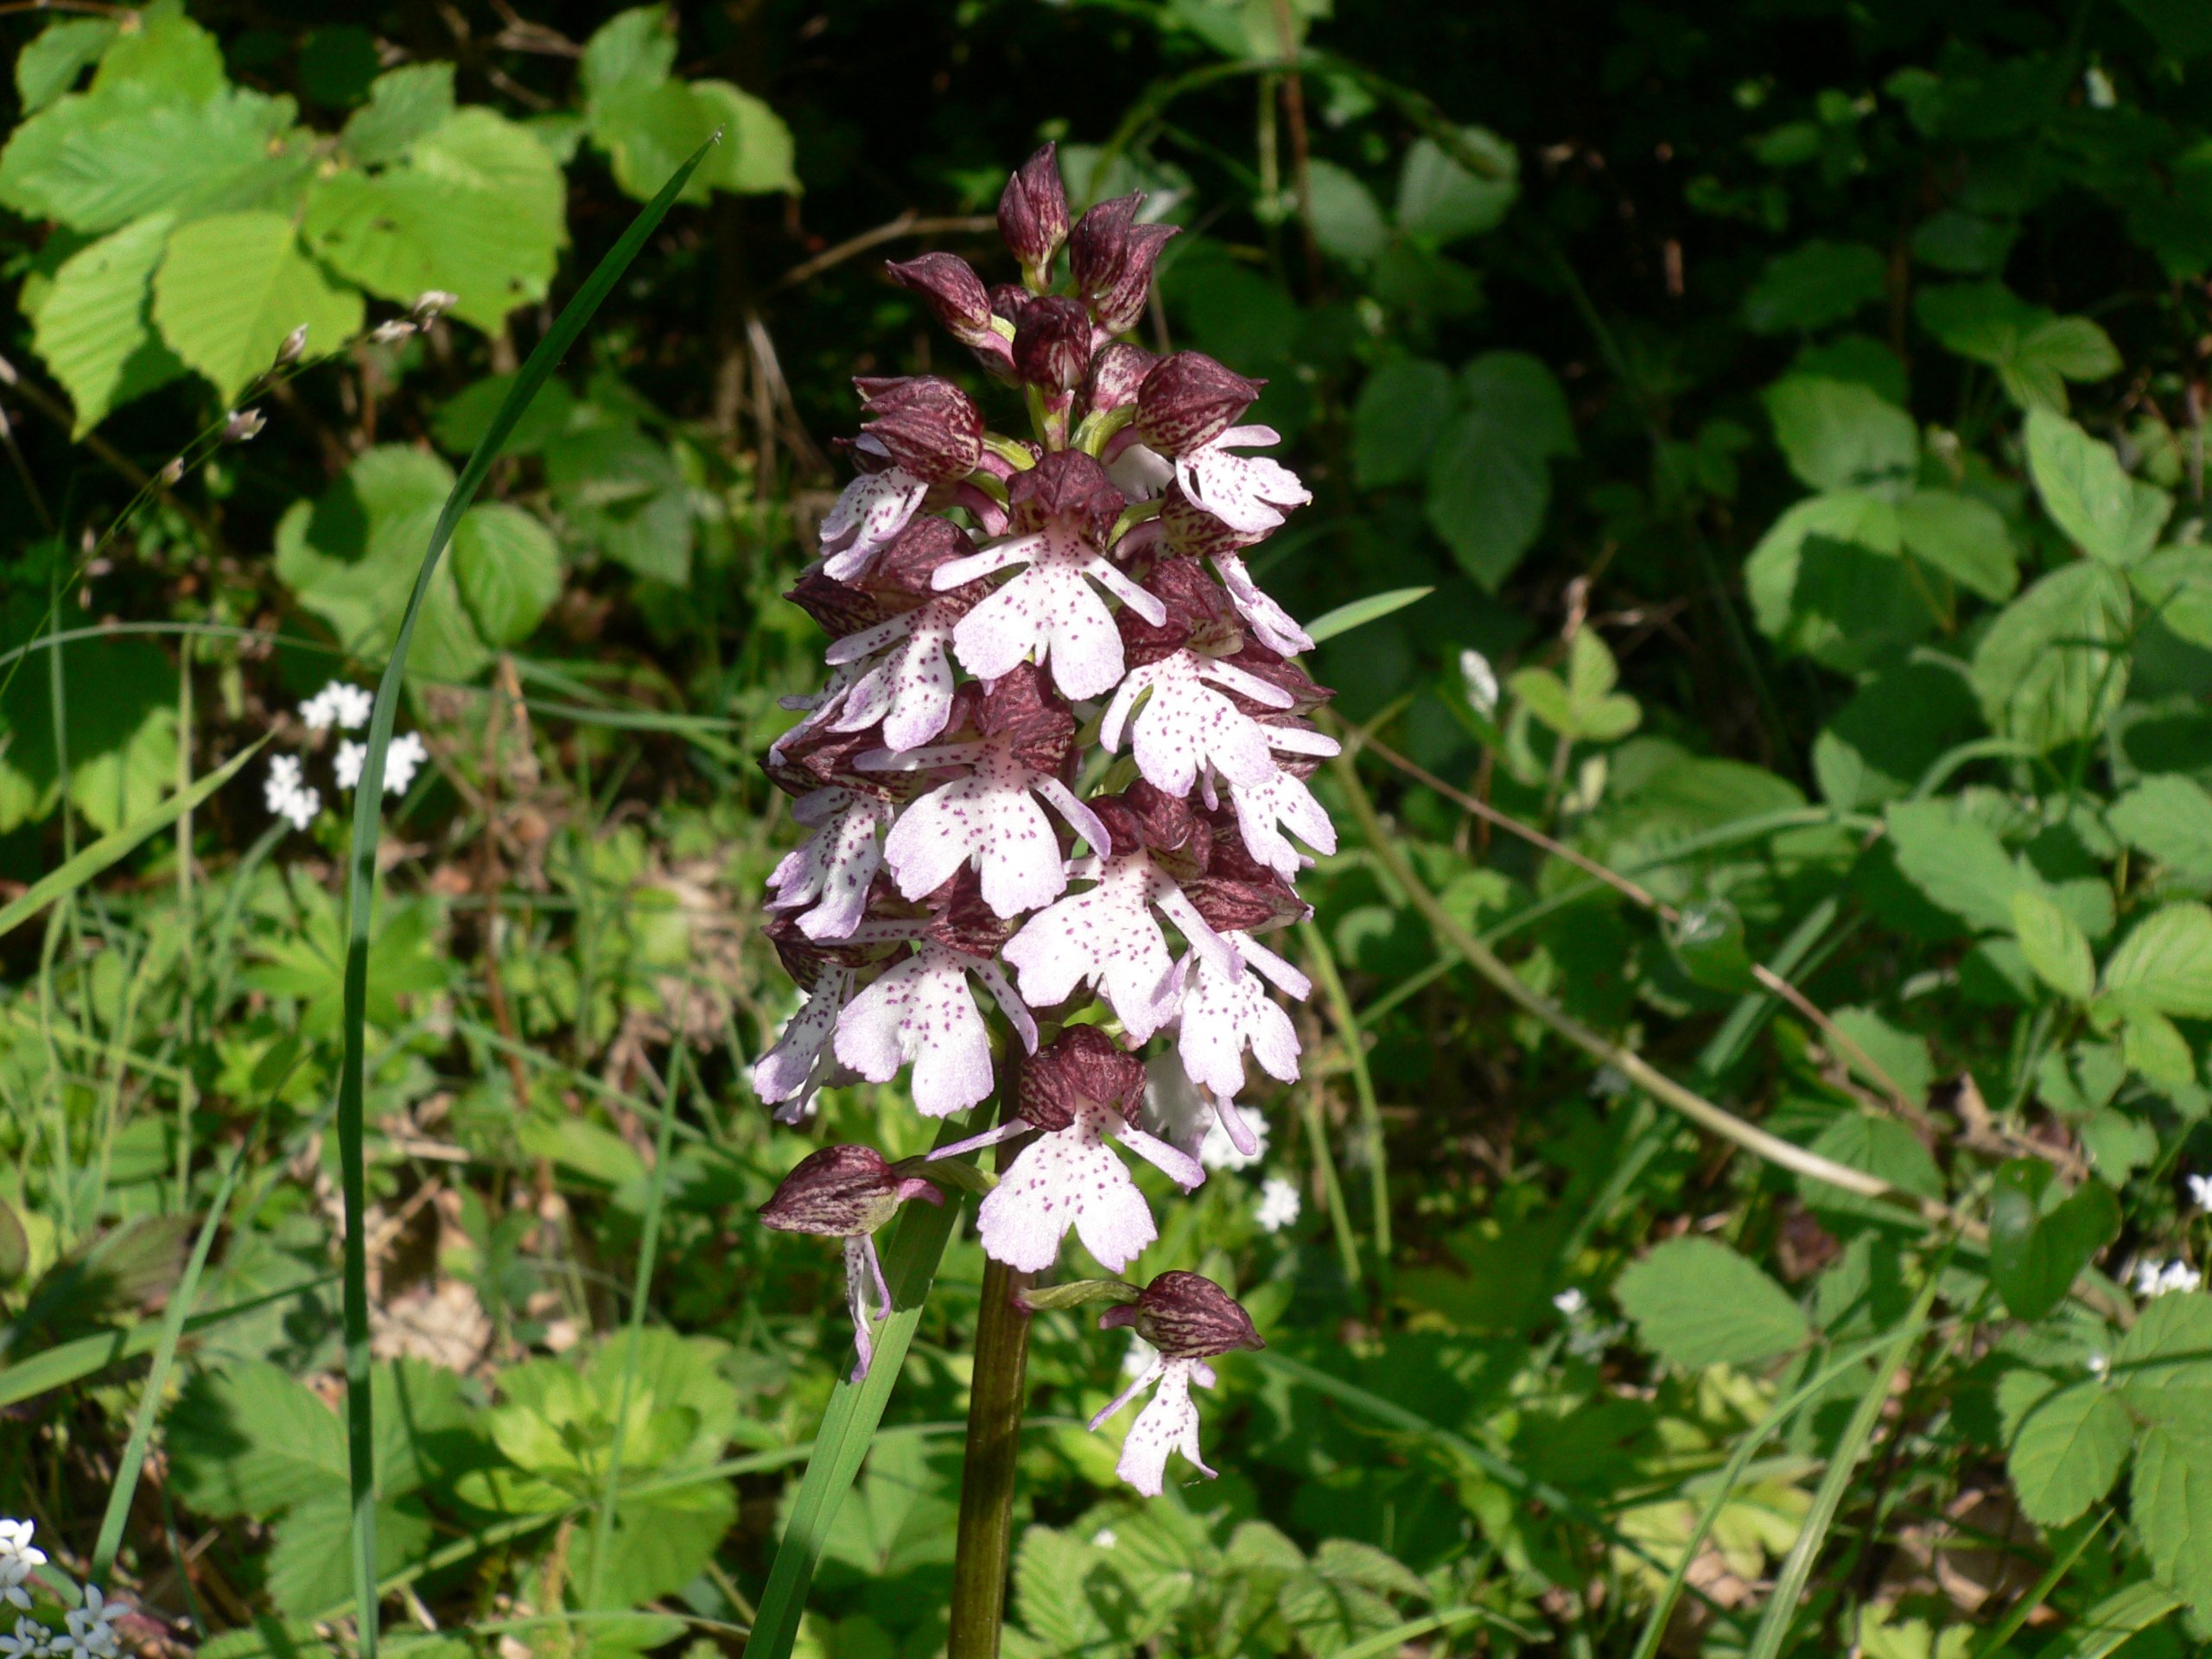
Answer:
[(431, 304), (842, 1192), (243, 425), (1113, 256), (1010, 300), (1065, 484), (1116, 375), (1186, 1317), (955, 294), (1034, 212), (174, 472), (391, 332), (928, 426), (1082, 1067), (295, 344), (1188, 400), (1051, 344)]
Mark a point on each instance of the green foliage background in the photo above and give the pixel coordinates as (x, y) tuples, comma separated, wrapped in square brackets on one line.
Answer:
[(1791, 415)]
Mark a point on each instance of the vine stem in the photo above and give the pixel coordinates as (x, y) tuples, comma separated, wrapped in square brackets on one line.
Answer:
[(996, 1394)]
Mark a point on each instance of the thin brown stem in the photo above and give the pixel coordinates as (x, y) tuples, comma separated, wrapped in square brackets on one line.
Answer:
[(907, 223)]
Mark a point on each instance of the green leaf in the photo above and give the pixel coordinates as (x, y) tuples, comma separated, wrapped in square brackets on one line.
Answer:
[(1839, 434), (1439, 201), (2154, 1047), (1962, 537), (1488, 485), (247, 1440), (2049, 671), (1708, 939), (1811, 286), (2034, 352), (2054, 948), (2111, 516), (2170, 1500), (2165, 962), (1879, 1146), (2035, 1253), (1399, 410), (2066, 1447), (1826, 580), (404, 104), (2169, 817), (509, 568), (1523, 399), (49, 66), (632, 48), (267, 1638), (2164, 1365), (1360, 612), (1348, 222), (477, 208), (231, 287), (307, 1568), (2105, 1628), (93, 327), (1698, 1303), (756, 154), (2176, 586), (1956, 860)]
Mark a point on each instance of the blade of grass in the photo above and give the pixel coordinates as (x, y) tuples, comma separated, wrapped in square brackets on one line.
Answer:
[(2119, 1618), (1790, 1585), (360, 879), (149, 1400), (848, 1425), (74, 872), (73, 1362), (1391, 1641), (1371, 1110), (2009, 1627), (602, 1529)]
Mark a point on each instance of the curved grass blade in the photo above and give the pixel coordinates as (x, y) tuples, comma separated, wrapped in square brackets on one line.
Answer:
[(117, 844), (361, 877), (1360, 612), (849, 1423)]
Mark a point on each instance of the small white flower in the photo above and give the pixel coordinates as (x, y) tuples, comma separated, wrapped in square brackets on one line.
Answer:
[(1105, 1538), (1570, 1301), (1217, 1151), (92, 1628), (346, 764), (2099, 1364), (2097, 85), (403, 760), (1279, 1205), (2157, 1278), (31, 1640), (2200, 1191), (287, 794), (18, 1561), (1480, 680), (347, 707)]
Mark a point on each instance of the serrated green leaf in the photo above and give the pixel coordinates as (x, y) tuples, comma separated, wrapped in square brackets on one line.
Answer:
[(1956, 860), (231, 287), (1838, 435), (2170, 1503), (2176, 586), (1401, 409), (248, 1440), (1439, 201), (757, 155), (2054, 948), (1698, 1303), (1522, 400), (2068, 1447), (509, 568), (2165, 962), (477, 208), (2037, 1248), (1962, 537), (2154, 1047), (2049, 671), (308, 1569), (1486, 499), (2169, 817), (404, 104), (1826, 580), (1348, 221), (2114, 519), (1811, 286), (49, 66), (1879, 1146), (93, 329)]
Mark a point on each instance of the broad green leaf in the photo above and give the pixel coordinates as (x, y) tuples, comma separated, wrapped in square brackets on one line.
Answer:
[(267, 1638), (120, 695), (2036, 1248), (1838, 435), (2176, 587), (1956, 860), (1439, 201), (1815, 285), (1903, 1054), (1361, 611), (509, 568), (308, 1570), (476, 208), (2165, 962), (1879, 1146), (1401, 409), (1886, 738), (1524, 401), (2154, 1047), (2034, 352), (1962, 537), (2054, 948), (1698, 1303), (2111, 516), (93, 327), (2048, 672), (632, 48), (2170, 1501), (248, 1440), (405, 104), (1051, 1598), (1348, 223), (1825, 581), (2117, 1619), (1486, 497), (231, 287), (757, 155), (2068, 1445), (2169, 817), (1708, 939), (49, 66), (2164, 1365)]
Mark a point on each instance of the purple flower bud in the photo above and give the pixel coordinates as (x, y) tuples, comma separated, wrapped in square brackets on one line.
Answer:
[(961, 920), (1051, 344), (1066, 484), (1186, 1317), (903, 568), (842, 1192), (1010, 300), (1081, 1067), (836, 608), (1144, 818), (1284, 675), (1235, 890), (1113, 256), (928, 426), (1117, 372), (1189, 400), (955, 294), (1188, 528), (1033, 211), (1018, 706)]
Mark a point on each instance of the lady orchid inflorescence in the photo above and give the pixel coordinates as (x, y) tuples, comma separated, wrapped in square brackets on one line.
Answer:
[(1059, 770)]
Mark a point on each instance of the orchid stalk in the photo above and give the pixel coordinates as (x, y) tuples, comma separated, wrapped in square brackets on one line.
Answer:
[(1009, 615)]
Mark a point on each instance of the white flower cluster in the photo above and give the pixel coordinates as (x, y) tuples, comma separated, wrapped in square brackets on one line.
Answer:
[(88, 1630), (343, 708), (2156, 1278)]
